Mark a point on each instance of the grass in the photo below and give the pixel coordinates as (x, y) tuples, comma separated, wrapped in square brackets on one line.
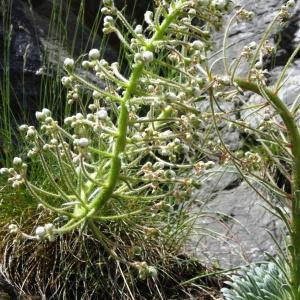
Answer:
[(5, 113)]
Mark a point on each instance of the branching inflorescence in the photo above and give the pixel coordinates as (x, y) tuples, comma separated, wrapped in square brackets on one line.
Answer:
[(136, 140)]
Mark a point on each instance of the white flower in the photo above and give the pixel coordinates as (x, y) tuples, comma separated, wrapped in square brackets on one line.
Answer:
[(82, 142), (94, 54), (17, 161), (69, 64), (40, 231), (13, 228), (197, 45), (147, 56), (101, 114), (148, 17)]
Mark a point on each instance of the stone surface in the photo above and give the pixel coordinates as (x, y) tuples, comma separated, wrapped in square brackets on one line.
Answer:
[(30, 21), (7, 291), (231, 136), (289, 93), (231, 229), (243, 33), (25, 59)]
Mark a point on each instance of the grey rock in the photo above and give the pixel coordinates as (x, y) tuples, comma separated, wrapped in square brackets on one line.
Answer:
[(290, 90), (25, 54), (215, 180), (289, 93), (243, 33), (254, 117), (231, 136), (232, 229)]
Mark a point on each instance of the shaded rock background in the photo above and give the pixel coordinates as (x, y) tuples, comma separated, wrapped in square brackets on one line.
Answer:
[(229, 195), (231, 228), (30, 39)]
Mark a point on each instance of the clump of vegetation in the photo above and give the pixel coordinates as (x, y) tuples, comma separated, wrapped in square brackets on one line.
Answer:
[(119, 173)]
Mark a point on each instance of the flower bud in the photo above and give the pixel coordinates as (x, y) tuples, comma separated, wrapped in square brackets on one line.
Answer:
[(13, 228), (39, 116), (94, 54), (82, 142), (147, 56), (49, 227), (17, 161), (138, 29), (23, 127), (3, 171), (96, 95), (40, 231), (148, 17), (101, 114), (197, 45), (290, 4), (66, 81), (86, 65), (69, 64)]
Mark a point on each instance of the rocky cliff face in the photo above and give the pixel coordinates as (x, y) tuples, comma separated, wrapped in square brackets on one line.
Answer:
[(30, 38), (228, 210)]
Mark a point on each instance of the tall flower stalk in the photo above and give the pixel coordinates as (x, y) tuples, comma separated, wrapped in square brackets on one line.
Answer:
[(126, 152)]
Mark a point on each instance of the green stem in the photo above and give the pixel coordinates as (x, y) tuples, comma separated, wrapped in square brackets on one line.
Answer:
[(120, 143), (294, 137)]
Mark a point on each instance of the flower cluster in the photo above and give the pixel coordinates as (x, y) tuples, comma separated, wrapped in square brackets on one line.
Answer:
[(137, 136)]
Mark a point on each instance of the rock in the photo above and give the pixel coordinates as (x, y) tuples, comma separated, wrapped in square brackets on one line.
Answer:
[(290, 90), (231, 136), (215, 180), (7, 290), (243, 33), (254, 116), (231, 229), (25, 55), (289, 93)]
